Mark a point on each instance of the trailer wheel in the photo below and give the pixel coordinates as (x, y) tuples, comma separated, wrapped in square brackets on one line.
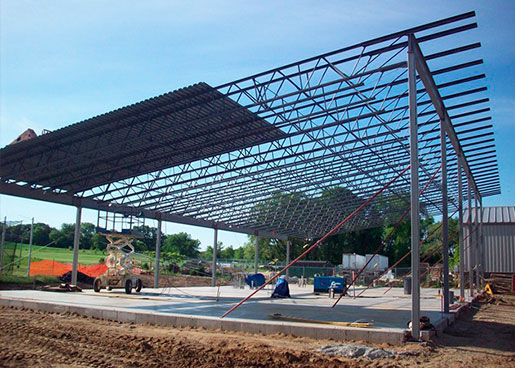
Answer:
[(97, 285), (139, 285), (128, 286)]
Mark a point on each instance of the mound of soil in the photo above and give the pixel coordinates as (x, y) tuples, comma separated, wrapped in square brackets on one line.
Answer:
[(81, 277)]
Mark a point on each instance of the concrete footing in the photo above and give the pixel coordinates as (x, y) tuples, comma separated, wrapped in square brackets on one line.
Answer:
[(204, 311)]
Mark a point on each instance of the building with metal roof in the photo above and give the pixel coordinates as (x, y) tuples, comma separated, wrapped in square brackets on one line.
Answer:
[(497, 246), (349, 139)]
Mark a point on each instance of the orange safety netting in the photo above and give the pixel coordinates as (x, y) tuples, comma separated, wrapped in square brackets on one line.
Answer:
[(53, 268)]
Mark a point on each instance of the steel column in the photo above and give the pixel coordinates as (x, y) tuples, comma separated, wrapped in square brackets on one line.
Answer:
[(215, 247), (76, 239), (476, 236), (445, 220), (460, 219), (158, 251), (256, 253), (481, 239), (288, 246), (471, 250), (414, 190), (30, 246), (2, 245)]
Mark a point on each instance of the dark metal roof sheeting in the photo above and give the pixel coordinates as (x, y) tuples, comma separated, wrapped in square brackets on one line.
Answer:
[(177, 127), (290, 151)]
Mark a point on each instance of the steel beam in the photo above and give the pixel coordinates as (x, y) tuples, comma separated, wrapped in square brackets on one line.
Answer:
[(256, 252), (470, 239), (158, 254), (215, 260), (481, 240), (76, 238), (414, 190), (38, 194), (445, 220), (4, 228), (288, 246), (430, 85), (477, 258), (30, 247), (460, 224)]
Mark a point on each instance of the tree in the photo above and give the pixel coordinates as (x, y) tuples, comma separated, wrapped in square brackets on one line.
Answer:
[(87, 231), (359, 241), (183, 244), (239, 253), (148, 240), (63, 238), (41, 234), (227, 253), (222, 253), (98, 241)]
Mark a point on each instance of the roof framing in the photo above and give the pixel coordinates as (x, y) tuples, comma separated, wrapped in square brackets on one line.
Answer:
[(215, 157)]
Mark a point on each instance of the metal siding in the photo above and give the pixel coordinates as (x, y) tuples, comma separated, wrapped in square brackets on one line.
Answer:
[(499, 238), (493, 215), (499, 248)]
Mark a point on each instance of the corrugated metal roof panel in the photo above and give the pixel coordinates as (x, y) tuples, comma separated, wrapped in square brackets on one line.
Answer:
[(493, 215), (182, 126)]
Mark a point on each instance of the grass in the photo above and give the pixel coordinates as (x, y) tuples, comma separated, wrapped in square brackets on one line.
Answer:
[(17, 279), (63, 255)]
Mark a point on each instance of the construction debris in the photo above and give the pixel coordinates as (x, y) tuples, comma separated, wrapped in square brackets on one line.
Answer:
[(25, 136), (360, 350), (501, 283), (485, 297), (62, 288)]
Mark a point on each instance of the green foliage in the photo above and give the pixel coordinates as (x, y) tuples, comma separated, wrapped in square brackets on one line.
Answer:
[(87, 231), (41, 234), (148, 242), (182, 244), (63, 238), (172, 257), (98, 242), (17, 279)]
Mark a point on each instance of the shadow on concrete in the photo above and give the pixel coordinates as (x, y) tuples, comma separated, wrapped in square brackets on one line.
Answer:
[(389, 318), (468, 333)]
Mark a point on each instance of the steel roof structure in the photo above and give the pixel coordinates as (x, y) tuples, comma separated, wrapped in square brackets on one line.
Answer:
[(287, 152)]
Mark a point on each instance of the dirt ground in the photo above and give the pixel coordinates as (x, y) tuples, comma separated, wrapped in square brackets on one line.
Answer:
[(181, 281), (485, 337)]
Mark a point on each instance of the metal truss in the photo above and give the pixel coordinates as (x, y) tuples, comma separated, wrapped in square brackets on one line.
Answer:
[(288, 152)]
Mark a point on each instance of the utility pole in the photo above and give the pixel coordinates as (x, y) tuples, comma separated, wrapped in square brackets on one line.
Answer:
[(30, 246)]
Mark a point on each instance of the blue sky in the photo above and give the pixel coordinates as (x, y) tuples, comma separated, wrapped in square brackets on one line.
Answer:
[(65, 61)]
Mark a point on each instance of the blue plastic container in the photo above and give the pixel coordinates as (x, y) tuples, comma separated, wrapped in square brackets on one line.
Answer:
[(255, 280), (323, 283)]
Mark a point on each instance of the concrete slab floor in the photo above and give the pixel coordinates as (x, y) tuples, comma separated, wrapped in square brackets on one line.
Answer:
[(389, 313)]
